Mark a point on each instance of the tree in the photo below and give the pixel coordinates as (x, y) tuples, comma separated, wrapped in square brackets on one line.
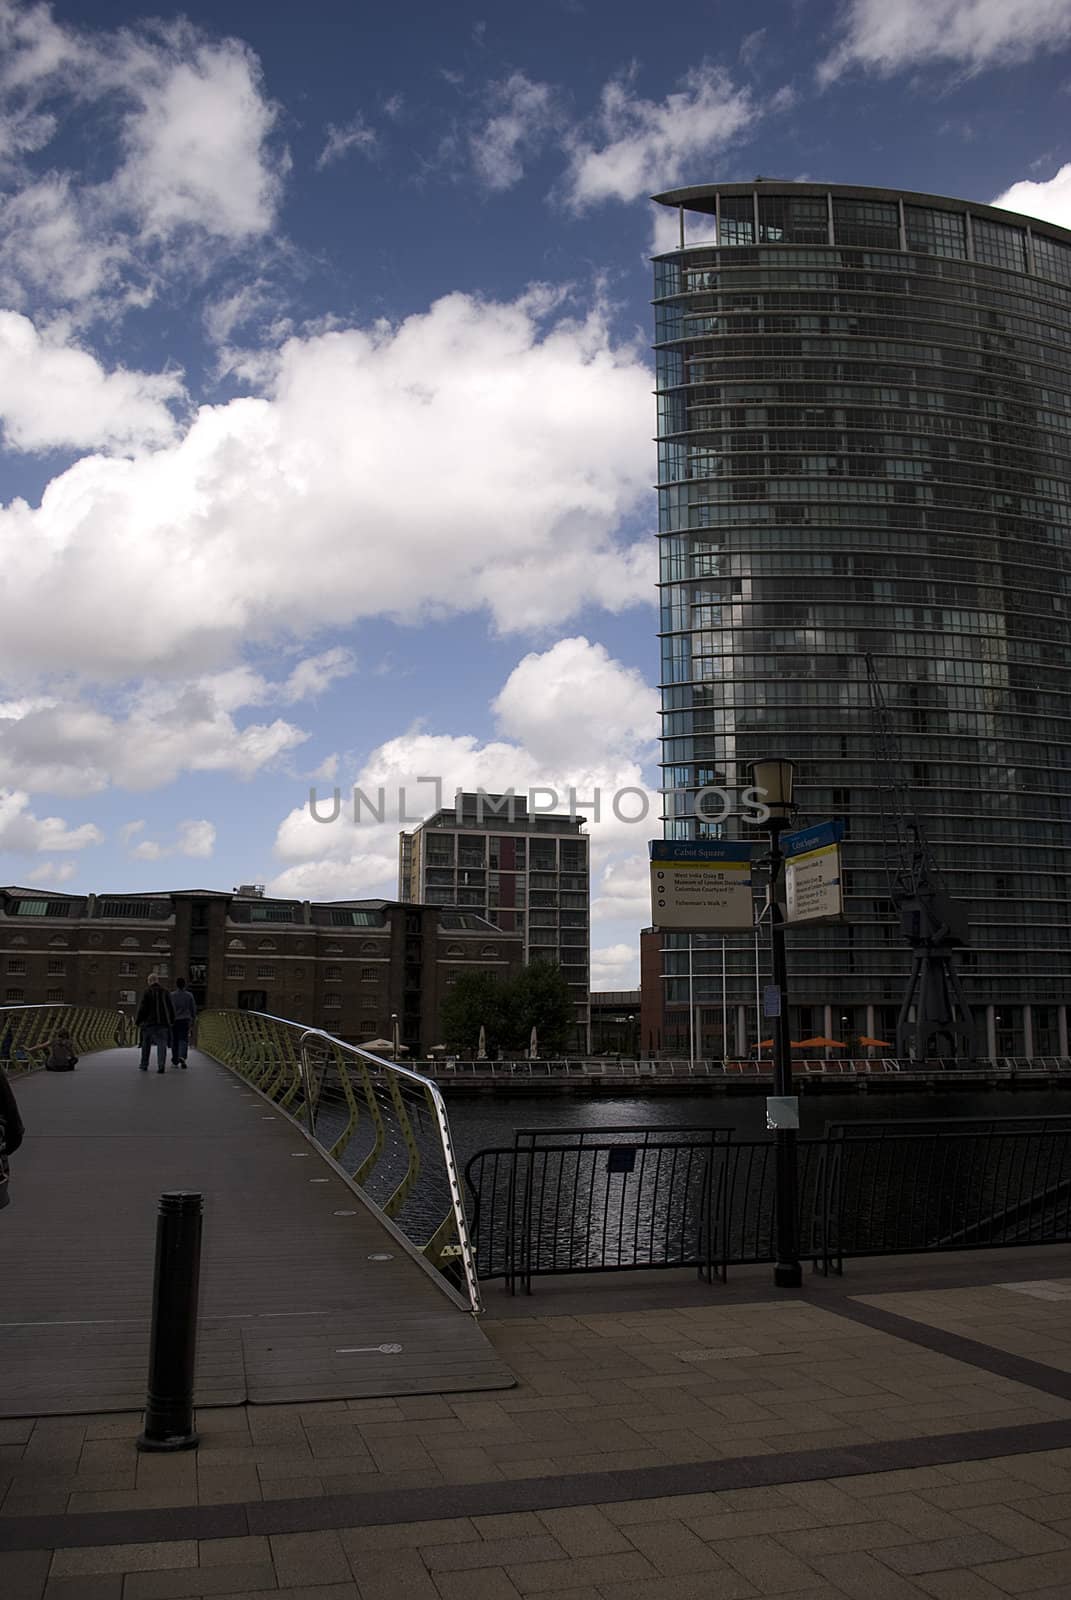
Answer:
[(474, 1002), (543, 1000), (507, 1009)]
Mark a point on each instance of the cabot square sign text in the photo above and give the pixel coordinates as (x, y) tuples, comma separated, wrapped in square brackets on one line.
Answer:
[(702, 885)]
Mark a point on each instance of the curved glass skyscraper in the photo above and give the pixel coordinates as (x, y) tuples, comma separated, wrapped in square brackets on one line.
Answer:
[(864, 425)]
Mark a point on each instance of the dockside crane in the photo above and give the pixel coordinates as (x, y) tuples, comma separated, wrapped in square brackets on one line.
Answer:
[(934, 1018)]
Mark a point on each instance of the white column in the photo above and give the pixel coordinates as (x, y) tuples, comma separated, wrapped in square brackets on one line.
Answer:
[(691, 1006), (758, 1003), (991, 1031), (828, 1030), (1061, 1029), (1028, 1031), (741, 1033), (724, 1005)]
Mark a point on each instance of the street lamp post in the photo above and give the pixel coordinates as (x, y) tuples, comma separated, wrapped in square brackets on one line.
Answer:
[(775, 778)]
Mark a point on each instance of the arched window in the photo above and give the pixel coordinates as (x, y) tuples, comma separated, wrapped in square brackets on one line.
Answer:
[(235, 944), (266, 944), (455, 949), (489, 950), (128, 944)]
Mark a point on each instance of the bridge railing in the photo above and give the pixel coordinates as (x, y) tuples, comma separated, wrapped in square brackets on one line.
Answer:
[(384, 1127), (24, 1028)]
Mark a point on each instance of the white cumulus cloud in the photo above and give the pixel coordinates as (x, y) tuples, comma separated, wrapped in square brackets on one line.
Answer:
[(524, 113), (1049, 199), (186, 165), (54, 871), (480, 456), (565, 702), (195, 142), (156, 732), (53, 395), (644, 145), (615, 966), (195, 839), (887, 36), (24, 833)]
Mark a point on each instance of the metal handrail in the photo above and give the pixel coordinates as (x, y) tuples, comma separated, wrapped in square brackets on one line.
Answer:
[(25, 1027), (367, 1115)]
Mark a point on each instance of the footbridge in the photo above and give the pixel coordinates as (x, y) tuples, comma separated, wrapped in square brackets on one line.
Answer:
[(336, 1261)]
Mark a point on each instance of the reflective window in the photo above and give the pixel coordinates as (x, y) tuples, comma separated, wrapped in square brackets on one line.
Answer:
[(797, 219), (998, 244), (866, 222), (935, 233), (737, 217)]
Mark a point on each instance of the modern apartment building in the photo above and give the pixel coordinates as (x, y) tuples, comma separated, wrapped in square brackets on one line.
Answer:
[(348, 966), (526, 872), (864, 422)]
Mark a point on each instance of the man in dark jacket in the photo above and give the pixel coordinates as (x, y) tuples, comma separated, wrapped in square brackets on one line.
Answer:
[(155, 1018), (10, 1133)]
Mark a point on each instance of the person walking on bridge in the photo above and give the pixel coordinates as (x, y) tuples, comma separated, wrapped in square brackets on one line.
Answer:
[(11, 1131), (155, 1018), (185, 1008)]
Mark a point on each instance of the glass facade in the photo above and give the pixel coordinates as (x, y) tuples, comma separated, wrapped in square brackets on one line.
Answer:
[(864, 418)]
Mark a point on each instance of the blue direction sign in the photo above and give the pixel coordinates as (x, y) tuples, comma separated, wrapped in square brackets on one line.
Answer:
[(813, 882), (701, 885)]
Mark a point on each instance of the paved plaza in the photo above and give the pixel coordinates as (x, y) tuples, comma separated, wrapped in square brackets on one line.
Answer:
[(902, 1431)]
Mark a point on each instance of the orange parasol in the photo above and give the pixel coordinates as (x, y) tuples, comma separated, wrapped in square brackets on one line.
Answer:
[(820, 1041), (885, 1044)]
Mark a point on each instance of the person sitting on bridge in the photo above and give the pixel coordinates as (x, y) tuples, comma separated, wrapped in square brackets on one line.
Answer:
[(155, 1019), (61, 1052)]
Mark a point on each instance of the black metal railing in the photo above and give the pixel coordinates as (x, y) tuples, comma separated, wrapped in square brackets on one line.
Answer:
[(597, 1200), (613, 1199), (952, 1187)]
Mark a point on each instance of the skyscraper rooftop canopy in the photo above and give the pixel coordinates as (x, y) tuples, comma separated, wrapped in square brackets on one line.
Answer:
[(702, 197)]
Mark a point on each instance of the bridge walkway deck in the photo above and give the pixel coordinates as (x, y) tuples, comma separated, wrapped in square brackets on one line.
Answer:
[(292, 1307)]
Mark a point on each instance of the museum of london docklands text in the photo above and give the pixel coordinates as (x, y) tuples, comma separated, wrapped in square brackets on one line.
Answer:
[(864, 416)]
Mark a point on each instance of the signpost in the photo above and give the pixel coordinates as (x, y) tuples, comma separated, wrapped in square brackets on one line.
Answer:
[(701, 885), (813, 884)]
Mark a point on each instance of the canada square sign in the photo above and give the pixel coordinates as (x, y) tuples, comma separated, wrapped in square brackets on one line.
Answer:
[(701, 885)]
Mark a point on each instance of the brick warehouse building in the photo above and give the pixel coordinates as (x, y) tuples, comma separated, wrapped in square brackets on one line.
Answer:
[(346, 966)]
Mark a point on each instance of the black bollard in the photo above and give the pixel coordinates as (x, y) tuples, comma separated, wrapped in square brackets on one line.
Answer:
[(173, 1350)]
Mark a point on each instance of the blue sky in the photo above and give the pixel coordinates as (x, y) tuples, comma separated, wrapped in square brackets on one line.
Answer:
[(325, 413)]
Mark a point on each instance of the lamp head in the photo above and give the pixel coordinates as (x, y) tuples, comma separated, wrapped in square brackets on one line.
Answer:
[(775, 779)]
